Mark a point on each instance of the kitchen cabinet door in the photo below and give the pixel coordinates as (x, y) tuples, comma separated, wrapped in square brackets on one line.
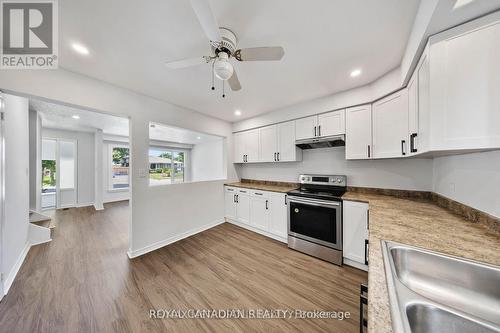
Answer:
[(306, 128), (252, 145), (358, 132), (278, 221), (355, 231), (259, 212), (243, 206), (230, 204), (269, 144), (239, 148), (288, 151), (390, 126), (465, 86), (331, 123), (413, 113)]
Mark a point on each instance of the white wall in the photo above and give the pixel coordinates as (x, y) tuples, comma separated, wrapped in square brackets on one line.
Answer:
[(111, 196), (472, 179), (158, 213), (207, 161), (411, 174), (85, 163), (16, 224)]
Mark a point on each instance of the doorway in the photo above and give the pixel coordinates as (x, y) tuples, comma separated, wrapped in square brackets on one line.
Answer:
[(59, 173)]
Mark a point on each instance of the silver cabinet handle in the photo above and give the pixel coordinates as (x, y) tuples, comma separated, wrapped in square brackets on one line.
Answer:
[(319, 130), (275, 157), (314, 130), (267, 204), (278, 156)]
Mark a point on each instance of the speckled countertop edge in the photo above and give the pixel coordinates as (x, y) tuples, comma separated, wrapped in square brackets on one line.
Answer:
[(423, 224)]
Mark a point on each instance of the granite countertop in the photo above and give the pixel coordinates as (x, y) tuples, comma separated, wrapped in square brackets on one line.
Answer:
[(266, 186), (421, 223)]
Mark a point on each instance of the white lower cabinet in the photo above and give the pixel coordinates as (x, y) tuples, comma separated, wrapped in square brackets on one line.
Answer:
[(278, 223), (260, 211), (230, 203), (355, 234)]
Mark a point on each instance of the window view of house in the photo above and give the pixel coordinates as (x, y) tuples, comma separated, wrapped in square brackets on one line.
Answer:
[(166, 166), (179, 155), (119, 168)]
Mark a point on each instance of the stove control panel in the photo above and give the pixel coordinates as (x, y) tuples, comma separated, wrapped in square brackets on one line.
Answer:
[(331, 180)]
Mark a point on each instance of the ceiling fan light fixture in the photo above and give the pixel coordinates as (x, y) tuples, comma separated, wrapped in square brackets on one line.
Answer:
[(222, 67)]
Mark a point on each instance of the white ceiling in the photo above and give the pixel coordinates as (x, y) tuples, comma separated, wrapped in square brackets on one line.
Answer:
[(324, 40), (161, 132), (61, 117)]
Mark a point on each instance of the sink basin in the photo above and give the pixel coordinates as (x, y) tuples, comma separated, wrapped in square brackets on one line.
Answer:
[(433, 292), (425, 318)]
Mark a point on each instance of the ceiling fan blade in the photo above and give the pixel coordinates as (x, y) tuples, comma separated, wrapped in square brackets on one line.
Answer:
[(233, 82), (186, 62), (260, 53), (207, 19)]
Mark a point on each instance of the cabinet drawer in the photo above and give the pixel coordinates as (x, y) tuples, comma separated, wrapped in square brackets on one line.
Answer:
[(260, 194), (231, 189)]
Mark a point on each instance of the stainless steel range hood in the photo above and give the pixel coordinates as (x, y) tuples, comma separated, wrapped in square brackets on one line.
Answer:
[(324, 142)]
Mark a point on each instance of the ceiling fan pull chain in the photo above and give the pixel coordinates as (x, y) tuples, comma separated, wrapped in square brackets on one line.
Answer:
[(213, 85), (223, 89)]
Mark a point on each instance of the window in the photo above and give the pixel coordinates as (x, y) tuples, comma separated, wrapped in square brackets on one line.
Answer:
[(119, 168), (166, 166)]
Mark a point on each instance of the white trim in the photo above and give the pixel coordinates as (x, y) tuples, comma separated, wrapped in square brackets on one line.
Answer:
[(87, 204), (355, 264), (17, 266), (116, 200), (101, 207), (258, 231), (155, 246)]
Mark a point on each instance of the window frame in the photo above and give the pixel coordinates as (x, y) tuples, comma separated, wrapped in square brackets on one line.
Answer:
[(172, 150), (111, 146)]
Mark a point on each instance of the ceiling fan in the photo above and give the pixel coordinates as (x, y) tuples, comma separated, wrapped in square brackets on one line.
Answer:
[(224, 42)]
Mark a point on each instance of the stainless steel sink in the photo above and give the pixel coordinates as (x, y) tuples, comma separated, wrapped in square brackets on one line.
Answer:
[(433, 292)]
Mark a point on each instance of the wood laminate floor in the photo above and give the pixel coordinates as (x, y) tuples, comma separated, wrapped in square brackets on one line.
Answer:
[(83, 281)]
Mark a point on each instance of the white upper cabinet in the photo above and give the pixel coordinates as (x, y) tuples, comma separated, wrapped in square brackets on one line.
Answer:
[(246, 146), (331, 123), (239, 148), (275, 143), (465, 86), (325, 124), (269, 143), (358, 132), (287, 150), (306, 128), (418, 107), (390, 126)]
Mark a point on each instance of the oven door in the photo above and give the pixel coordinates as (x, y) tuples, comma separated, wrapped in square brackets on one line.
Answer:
[(317, 221)]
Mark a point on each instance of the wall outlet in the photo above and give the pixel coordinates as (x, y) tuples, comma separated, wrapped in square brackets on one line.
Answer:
[(452, 188)]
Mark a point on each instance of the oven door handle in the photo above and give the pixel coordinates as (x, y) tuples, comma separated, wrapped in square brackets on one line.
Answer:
[(314, 202)]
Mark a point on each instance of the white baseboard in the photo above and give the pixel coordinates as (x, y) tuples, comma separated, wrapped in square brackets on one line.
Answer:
[(38, 234), (355, 264), (155, 246), (256, 230), (88, 204), (13, 272)]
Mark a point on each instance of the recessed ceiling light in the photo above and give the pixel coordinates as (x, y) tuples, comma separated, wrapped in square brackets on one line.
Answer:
[(237, 113), (356, 72), (80, 48), (198, 137), (75, 116)]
